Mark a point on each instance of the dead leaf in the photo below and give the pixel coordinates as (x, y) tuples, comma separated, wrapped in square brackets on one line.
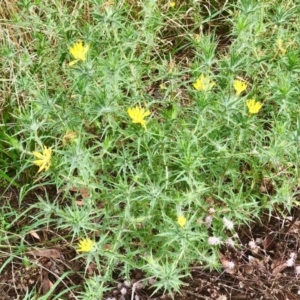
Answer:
[(266, 186), (295, 228), (224, 260), (79, 202), (91, 268), (227, 265), (34, 234), (285, 295), (84, 191), (248, 270), (256, 263), (50, 253), (278, 266), (269, 242), (290, 296), (46, 284)]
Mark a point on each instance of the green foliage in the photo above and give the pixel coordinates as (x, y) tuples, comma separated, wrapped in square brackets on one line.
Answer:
[(202, 155)]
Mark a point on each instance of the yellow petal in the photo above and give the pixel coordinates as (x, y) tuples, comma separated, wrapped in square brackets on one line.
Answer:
[(147, 113), (47, 151), (38, 155), (38, 162), (72, 63)]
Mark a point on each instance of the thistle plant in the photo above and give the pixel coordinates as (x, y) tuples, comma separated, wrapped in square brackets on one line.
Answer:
[(155, 136)]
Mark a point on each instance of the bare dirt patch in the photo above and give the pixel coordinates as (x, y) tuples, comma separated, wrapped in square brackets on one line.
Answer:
[(264, 264)]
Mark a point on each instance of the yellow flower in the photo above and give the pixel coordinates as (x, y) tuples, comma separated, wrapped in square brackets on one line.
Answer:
[(85, 245), (203, 83), (181, 221), (239, 86), (138, 115), (172, 4), (79, 52), (253, 106), (44, 161)]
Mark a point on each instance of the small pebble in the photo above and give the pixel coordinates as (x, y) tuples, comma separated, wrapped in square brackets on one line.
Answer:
[(120, 285), (151, 281), (123, 291), (138, 285), (127, 283)]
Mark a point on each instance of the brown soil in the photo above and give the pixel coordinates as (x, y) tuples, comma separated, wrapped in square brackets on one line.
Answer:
[(265, 266)]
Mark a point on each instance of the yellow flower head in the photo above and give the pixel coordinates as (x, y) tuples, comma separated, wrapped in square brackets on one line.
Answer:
[(86, 245), (239, 86), (172, 4), (138, 115), (44, 159), (181, 221), (79, 52), (203, 83), (253, 106)]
